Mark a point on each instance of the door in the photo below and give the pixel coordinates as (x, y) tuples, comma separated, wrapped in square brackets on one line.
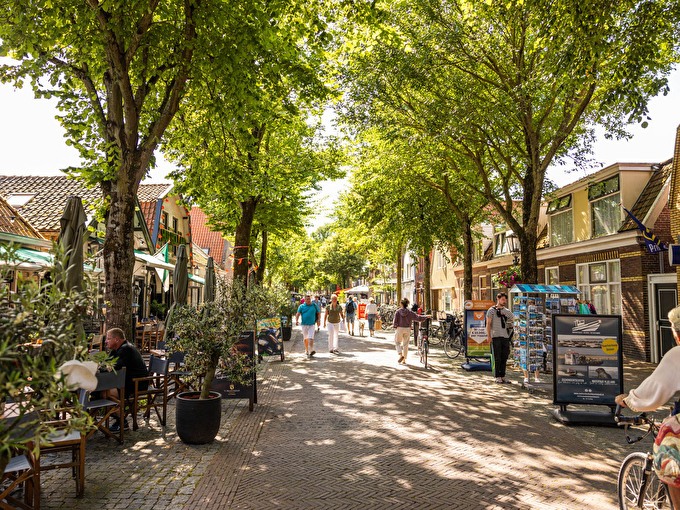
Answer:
[(666, 300)]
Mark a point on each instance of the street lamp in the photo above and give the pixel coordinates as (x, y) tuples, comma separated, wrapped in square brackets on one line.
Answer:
[(513, 246)]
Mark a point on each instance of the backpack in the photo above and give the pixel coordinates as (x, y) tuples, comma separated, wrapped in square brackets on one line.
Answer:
[(349, 307)]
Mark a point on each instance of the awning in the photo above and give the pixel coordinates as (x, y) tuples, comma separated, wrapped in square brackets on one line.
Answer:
[(545, 289), (359, 289), (25, 259), (197, 279), (152, 261)]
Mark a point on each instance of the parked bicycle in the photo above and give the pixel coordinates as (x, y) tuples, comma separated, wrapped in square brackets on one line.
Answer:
[(386, 314), (424, 341), (637, 485), (453, 342)]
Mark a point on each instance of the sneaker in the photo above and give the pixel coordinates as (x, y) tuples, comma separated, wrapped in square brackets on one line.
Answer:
[(526, 380), (537, 380), (499, 380), (312, 353), (335, 351), (401, 358)]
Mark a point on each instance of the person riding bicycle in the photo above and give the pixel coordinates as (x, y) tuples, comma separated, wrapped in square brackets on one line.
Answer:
[(654, 392), (403, 319)]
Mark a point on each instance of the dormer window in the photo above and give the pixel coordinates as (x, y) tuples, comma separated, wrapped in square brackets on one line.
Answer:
[(18, 200), (605, 207), (561, 221)]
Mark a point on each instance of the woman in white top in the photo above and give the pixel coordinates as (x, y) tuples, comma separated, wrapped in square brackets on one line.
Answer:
[(659, 387), (371, 314)]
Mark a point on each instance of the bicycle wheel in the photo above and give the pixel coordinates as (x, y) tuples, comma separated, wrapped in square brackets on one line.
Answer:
[(453, 346), (436, 334), (425, 347), (633, 479)]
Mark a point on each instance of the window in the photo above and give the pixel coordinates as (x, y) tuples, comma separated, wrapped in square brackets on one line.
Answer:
[(600, 283), (18, 200), (500, 244), (477, 251), (174, 224), (552, 275), (561, 221), (605, 207), (447, 299), (164, 219), (440, 259)]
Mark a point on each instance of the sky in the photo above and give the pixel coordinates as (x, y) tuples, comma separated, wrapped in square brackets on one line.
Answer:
[(32, 143)]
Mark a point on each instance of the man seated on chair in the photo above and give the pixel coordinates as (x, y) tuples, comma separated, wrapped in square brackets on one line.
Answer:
[(129, 357)]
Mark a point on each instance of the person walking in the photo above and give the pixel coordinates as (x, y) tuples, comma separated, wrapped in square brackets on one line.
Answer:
[(371, 314), (331, 320), (317, 303), (310, 318), (403, 319), (499, 326), (350, 311), (654, 392)]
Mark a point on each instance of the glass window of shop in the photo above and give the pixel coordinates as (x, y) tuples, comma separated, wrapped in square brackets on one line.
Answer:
[(447, 300), (500, 244), (600, 283), (552, 275)]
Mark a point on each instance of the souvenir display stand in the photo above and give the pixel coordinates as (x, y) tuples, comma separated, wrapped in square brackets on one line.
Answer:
[(533, 307)]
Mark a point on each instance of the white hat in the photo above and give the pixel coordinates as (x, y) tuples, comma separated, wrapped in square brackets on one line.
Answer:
[(79, 374)]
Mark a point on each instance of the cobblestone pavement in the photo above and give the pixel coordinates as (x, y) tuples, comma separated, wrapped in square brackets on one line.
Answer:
[(357, 430)]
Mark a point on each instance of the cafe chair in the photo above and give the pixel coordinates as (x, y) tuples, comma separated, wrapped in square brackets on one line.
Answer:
[(60, 440), (104, 407), (21, 473), (178, 375), (155, 396), (148, 338), (97, 343)]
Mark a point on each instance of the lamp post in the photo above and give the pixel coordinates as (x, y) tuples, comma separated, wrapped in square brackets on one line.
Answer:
[(513, 245)]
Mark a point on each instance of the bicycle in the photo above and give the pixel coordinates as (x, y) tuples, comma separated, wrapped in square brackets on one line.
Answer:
[(453, 343), (437, 333), (637, 484), (424, 342)]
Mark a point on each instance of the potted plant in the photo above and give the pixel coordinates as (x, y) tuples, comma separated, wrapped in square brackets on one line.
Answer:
[(207, 336), (507, 277)]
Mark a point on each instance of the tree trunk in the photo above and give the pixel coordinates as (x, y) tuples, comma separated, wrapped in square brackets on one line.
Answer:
[(119, 257), (242, 239), (263, 259), (468, 243), (427, 280)]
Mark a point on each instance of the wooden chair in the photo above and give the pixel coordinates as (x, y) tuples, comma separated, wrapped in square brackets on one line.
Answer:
[(178, 375), (155, 396), (22, 471), (104, 407), (59, 440), (97, 343)]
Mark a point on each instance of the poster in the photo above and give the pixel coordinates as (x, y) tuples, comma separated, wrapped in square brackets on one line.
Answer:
[(588, 359), (269, 340), (477, 343)]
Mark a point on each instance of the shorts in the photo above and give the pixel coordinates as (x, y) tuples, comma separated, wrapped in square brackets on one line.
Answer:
[(308, 330)]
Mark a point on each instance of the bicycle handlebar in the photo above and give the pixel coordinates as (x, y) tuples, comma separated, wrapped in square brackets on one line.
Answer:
[(628, 421)]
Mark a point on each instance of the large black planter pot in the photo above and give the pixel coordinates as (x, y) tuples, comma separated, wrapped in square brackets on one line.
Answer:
[(286, 332), (198, 421)]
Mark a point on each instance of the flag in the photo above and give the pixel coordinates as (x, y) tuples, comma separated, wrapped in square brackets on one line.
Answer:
[(654, 244)]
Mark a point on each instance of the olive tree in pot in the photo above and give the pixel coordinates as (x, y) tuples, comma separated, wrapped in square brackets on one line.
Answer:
[(207, 336)]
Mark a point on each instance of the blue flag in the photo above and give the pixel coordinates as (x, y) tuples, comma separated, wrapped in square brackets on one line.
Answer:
[(654, 244)]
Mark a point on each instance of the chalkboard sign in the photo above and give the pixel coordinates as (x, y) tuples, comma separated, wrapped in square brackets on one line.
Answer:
[(228, 389), (588, 359), (269, 340)]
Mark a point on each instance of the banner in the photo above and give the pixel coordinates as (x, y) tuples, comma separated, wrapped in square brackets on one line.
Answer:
[(653, 243), (588, 359)]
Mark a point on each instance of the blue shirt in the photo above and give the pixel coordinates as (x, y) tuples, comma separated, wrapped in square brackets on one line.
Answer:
[(308, 313)]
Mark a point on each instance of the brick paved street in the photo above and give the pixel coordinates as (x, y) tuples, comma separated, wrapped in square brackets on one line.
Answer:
[(360, 431)]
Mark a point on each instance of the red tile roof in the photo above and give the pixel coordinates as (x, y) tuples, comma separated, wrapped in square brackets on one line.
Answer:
[(11, 222), (208, 240), (50, 194)]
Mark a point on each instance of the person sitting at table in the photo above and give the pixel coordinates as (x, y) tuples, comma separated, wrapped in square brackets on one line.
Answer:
[(129, 357)]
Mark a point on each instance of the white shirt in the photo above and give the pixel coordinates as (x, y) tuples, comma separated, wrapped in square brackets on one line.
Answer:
[(371, 309), (659, 387)]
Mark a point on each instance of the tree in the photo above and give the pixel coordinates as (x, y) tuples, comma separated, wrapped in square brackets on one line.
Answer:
[(119, 70), (515, 86)]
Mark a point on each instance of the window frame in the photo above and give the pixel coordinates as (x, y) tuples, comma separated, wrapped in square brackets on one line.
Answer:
[(547, 273), (611, 281)]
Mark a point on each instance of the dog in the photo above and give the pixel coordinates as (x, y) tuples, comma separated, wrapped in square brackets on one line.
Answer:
[(362, 324)]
